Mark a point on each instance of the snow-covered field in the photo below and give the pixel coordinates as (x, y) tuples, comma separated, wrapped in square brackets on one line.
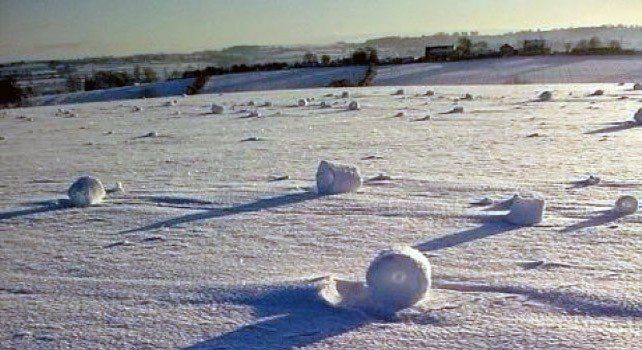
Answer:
[(284, 79), (276, 80), (204, 251), (517, 70), (161, 89)]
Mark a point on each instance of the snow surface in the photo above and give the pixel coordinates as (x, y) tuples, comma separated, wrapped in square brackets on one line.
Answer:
[(284, 79), (206, 250), (160, 89), (516, 70)]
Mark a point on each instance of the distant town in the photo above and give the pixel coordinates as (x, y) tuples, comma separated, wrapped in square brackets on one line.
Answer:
[(24, 79)]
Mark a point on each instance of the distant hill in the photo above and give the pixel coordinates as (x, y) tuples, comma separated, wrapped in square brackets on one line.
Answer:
[(629, 38)]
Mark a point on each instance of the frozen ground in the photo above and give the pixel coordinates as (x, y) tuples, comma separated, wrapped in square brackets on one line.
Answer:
[(276, 80), (205, 252), (284, 79), (517, 70), (166, 88)]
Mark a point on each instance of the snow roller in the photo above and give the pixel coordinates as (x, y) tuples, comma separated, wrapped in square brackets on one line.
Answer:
[(336, 178), (86, 191)]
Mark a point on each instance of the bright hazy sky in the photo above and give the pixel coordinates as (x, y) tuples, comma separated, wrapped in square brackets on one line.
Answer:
[(70, 28)]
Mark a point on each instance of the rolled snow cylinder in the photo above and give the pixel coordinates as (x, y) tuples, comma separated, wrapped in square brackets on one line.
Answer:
[(430, 93), (598, 93), (86, 191), (218, 109), (137, 108), (302, 102), (118, 188), (354, 106), (345, 94), (637, 86), (324, 104), (336, 178), (545, 96), (526, 211), (398, 278), (467, 97), (626, 205), (593, 180), (400, 92), (638, 117), (254, 114), (455, 110)]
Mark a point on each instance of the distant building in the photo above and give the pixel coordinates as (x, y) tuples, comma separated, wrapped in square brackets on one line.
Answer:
[(440, 53), (535, 47), (507, 50)]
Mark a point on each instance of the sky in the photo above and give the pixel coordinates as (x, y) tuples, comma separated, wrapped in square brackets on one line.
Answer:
[(42, 29)]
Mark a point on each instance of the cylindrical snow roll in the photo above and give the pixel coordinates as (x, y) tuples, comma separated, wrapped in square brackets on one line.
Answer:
[(345, 94), (638, 117), (336, 178), (302, 102), (545, 96), (637, 86), (398, 278), (400, 92), (526, 211), (626, 205), (218, 109), (254, 114), (86, 191), (354, 106)]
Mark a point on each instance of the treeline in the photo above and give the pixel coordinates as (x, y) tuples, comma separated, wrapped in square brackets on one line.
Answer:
[(361, 57), (595, 46), (10, 92), (106, 79)]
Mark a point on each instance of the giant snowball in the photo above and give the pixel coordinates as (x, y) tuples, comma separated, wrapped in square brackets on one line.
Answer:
[(86, 191), (398, 278), (335, 178), (638, 117), (545, 96), (526, 211), (626, 205), (217, 109)]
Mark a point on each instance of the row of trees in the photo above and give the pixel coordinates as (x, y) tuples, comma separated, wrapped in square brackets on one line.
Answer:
[(362, 57), (106, 79), (10, 92), (594, 46)]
